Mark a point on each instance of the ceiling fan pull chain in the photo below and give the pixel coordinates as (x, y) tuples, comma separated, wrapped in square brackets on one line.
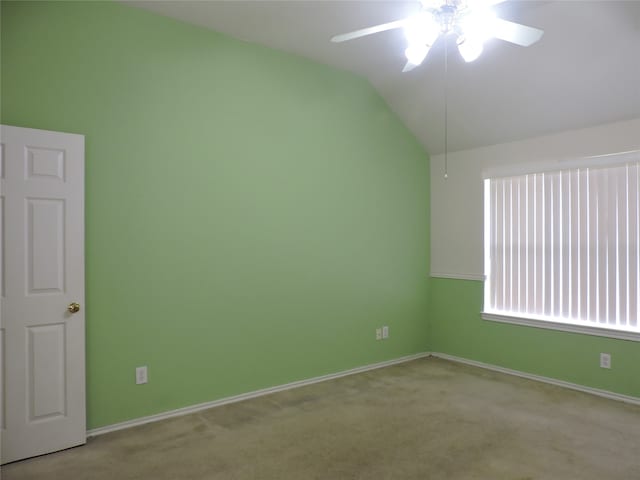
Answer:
[(446, 109)]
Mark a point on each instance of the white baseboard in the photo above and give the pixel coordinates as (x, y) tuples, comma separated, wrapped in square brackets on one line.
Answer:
[(245, 396), (540, 378), (288, 386)]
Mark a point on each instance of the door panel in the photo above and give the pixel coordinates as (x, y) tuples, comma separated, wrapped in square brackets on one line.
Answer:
[(46, 394), (43, 266), (45, 163), (45, 246)]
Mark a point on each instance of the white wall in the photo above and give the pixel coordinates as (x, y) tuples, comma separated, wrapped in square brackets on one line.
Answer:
[(457, 202)]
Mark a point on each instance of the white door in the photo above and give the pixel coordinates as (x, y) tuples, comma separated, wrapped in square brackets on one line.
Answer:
[(42, 276)]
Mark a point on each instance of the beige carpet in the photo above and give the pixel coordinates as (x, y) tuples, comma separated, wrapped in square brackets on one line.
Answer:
[(427, 419)]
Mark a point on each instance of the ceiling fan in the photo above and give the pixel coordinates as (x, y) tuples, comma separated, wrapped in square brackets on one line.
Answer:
[(472, 22)]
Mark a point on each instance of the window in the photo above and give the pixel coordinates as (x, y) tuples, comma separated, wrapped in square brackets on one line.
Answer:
[(562, 248)]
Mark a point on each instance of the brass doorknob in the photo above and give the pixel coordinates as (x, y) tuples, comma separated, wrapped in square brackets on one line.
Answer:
[(73, 307)]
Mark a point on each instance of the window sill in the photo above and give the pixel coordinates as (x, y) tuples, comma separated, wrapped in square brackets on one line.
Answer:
[(564, 327)]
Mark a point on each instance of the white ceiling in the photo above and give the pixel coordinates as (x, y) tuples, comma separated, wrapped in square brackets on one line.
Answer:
[(585, 71)]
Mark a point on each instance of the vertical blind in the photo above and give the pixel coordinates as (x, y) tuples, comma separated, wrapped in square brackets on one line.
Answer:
[(563, 246)]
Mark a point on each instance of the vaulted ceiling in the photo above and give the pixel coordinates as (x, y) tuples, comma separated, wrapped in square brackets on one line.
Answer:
[(584, 71)]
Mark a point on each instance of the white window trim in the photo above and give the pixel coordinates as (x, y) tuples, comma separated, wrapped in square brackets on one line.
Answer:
[(549, 166), (563, 327)]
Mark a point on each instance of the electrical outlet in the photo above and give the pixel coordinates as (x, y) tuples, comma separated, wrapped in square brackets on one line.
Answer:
[(385, 332), (141, 375), (605, 360), (378, 334)]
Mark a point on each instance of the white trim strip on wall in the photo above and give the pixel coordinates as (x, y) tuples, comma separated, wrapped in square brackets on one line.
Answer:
[(539, 378), (246, 396), (459, 276)]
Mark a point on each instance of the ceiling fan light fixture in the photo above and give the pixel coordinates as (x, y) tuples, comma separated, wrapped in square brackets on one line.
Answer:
[(422, 29), (416, 53), (471, 22), (470, 49)]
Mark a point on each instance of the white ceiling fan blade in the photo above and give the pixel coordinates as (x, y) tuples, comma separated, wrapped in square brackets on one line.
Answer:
[(368, 31), (515, 33), (409, 66)]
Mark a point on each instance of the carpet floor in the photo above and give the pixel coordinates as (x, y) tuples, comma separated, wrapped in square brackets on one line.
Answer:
[(426, 419)]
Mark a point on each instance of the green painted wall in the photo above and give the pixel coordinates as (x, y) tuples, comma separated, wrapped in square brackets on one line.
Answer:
[(455, 327), (251, 216)]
